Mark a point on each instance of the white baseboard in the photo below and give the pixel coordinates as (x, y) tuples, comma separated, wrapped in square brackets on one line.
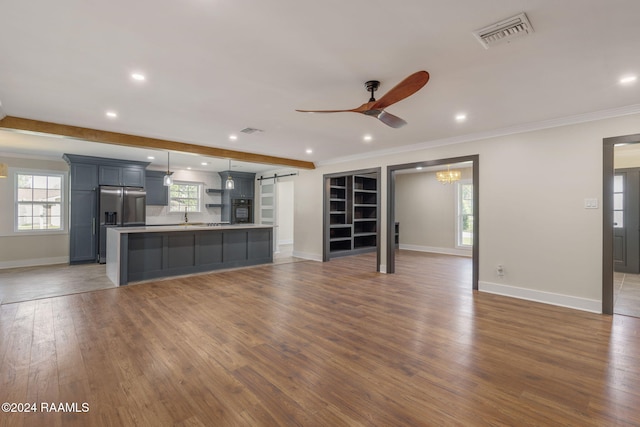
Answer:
[(34, 262), (435, 250), (306, 255), (584, 304)]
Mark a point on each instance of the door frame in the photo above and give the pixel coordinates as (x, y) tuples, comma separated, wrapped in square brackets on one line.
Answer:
[(391, 190), (608, 171)]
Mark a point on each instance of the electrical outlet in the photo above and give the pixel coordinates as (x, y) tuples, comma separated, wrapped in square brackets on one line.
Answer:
[(500, 270)]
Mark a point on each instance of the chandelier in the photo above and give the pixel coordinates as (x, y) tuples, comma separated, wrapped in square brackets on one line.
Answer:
[(448, 176)]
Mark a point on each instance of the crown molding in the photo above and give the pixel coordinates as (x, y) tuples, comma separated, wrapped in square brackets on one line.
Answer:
[(478, 136)]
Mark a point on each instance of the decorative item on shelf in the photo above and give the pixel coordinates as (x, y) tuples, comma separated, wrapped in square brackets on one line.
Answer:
[(167, 180), (448, 176), (229, 184), (4, 170)]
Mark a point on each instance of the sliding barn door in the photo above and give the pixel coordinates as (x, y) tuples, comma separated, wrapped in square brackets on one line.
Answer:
[(268, 207)]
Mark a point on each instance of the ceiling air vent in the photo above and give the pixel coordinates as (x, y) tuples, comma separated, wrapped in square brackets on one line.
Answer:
[(504, 31), (251, 130)]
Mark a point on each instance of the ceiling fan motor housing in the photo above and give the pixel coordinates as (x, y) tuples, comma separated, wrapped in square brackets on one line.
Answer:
[(372, 86)]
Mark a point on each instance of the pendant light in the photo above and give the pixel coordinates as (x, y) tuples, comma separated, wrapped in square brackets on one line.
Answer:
[(167, 180), (229, 185)]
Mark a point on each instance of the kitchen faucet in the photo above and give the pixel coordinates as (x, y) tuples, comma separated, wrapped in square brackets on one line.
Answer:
[(186, 219)]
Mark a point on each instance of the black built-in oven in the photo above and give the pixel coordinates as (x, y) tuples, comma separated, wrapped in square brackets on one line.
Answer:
[(241, 211)]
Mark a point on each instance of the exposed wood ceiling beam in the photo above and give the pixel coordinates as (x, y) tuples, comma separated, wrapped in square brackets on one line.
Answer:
[(95, 135)]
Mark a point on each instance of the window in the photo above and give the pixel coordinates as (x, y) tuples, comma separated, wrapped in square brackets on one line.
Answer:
[(464, 212), (38, 201), (618, 201), (185, 197)]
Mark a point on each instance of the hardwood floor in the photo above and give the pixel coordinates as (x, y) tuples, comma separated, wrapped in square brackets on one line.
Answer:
[(31, 283), (318, 344)]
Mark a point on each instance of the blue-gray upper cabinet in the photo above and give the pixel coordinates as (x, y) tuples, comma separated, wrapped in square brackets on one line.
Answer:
[(129, 176), (244, 184), (127, 173), (83, 176), (157, 193)]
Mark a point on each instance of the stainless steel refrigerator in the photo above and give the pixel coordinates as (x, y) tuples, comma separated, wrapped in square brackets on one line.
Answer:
[(119, 207)]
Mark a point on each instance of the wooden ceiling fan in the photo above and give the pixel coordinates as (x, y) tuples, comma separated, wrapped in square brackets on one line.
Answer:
[(402, 90)]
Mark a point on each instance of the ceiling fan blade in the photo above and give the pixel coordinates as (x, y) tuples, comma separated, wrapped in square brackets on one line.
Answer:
[(402, 90), (391, 120), (361, 109), (324, 111)]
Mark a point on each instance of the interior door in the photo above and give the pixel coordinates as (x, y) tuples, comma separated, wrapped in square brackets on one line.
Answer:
[(626, 220)]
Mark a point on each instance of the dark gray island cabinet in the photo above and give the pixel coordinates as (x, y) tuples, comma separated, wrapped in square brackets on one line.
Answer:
[(143, 253)]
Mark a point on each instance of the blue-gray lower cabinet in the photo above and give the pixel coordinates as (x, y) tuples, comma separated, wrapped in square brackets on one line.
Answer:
[(161, 254)]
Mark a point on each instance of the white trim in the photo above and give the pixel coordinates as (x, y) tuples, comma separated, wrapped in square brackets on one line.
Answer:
[(64, 207), (286, 242), (584, 304), (526, 127), (34, 262), (458, 199), (201, 191), (435, 250), (307, 255)]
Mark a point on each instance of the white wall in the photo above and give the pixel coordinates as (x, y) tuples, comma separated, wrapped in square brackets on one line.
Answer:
[(426, 211), (37, 248), (285, 212), (532, 218), (161, 214)]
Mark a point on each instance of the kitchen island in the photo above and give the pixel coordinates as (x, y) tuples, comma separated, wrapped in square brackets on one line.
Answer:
[(151, 252)]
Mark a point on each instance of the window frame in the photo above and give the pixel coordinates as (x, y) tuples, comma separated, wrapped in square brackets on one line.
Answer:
[(459, 243), (15, 173), (199, 198)]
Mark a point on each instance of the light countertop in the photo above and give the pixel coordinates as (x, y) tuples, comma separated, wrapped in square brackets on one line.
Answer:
[(188, 227)]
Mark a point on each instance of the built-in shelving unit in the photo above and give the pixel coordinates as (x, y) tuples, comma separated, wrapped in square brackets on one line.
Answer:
[(340, 224), (353, 210)]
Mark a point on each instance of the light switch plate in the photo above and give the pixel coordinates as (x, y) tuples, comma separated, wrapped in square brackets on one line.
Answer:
[(591, 203)]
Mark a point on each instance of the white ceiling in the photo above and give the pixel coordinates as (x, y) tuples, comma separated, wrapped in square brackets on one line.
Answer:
[(214, 67)]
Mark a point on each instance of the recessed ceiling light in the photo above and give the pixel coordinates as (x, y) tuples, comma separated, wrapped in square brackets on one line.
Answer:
[(309, 151), (419, 168), (150, 157), (204, 163), (112, 114), (233, 137), (138, 76), (367, 138), (189, 168), (628, 79), (461, 117)]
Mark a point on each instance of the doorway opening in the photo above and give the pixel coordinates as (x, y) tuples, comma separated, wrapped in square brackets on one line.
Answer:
[(467, 223), (621, 219), (351, 214)]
